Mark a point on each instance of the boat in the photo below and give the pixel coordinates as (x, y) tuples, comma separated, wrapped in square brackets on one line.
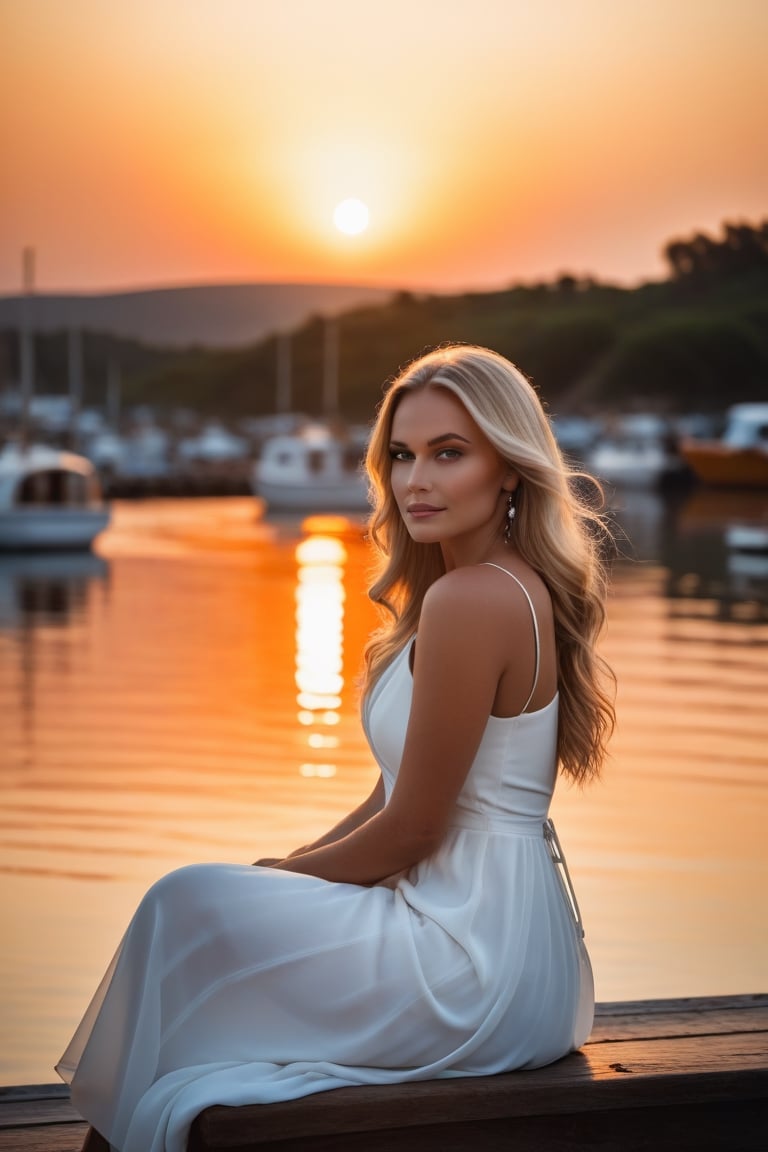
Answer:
[(319, 469), (214, 445), (49, 499), (740, 457), (747, 538), (636, 450), (575, 435)]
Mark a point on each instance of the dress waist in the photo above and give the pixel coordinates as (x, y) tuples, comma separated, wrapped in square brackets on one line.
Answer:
[(511, 825)]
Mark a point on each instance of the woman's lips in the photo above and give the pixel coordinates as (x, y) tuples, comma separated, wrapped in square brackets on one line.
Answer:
[(423, 511)]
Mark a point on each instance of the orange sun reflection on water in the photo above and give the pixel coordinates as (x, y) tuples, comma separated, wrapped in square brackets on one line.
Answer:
[(319, 648)]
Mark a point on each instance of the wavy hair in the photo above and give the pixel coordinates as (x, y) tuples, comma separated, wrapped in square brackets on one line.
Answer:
[(557, 532)]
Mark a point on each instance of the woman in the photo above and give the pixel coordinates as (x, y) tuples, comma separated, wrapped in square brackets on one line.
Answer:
[(430, 933)]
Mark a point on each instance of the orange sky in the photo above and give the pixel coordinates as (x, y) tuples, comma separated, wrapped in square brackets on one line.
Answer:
[(179, 141)]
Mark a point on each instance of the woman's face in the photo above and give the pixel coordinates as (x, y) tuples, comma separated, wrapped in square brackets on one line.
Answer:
[(449, 482)]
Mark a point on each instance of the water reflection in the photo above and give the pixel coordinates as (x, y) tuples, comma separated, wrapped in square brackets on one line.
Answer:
[(716, 551), (637, 520), (319, 648), (47, 588), (713, 545)]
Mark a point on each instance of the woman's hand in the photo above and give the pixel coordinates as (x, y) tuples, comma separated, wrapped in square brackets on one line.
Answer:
[(369, 807)]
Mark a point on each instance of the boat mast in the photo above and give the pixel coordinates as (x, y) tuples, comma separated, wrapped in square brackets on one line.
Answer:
[(283, 393), (75, 372), (330, 367), (27, 343), (114, 382)]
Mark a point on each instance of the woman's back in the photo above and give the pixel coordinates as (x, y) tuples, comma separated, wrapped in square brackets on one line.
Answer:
[(515, 768)]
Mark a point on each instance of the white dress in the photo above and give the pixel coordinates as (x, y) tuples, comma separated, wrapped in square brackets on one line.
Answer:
[(240, 985)]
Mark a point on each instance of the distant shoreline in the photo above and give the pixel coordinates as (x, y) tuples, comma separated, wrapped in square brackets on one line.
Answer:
[(214, 315)]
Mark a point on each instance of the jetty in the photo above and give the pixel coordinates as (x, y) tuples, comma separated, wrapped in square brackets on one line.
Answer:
[(665, 1075)]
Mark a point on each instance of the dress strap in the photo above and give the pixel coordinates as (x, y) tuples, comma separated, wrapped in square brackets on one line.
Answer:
[(490, 564)]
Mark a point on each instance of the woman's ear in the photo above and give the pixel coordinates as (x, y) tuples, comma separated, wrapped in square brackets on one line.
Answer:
[(511, 480)]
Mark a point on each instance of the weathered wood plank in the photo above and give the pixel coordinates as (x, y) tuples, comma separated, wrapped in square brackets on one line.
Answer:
[(662, 1018), (605, 1077), (33, 1092), (689, 1056), (639, 1131), (14, 1113), (692, 1128), (693, 1004), (51, 1138)]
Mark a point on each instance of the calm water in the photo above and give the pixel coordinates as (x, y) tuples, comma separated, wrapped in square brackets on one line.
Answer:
[(188, 694)]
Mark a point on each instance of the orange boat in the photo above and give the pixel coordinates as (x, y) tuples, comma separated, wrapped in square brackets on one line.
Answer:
[(740, 458)]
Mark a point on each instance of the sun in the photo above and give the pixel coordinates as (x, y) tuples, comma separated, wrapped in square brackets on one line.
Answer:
[(351, 216)]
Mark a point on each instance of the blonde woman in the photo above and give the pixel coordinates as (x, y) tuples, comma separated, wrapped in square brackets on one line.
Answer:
[(432, 932)]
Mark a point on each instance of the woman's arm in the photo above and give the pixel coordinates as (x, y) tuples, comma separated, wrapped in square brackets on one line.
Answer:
[(461, 654), (360, 815), (369, 807)]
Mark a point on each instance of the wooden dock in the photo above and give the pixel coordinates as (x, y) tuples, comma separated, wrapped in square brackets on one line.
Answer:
[(666, 1075)]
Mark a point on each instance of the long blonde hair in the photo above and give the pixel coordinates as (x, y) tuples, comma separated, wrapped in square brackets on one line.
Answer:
[(556, 532)]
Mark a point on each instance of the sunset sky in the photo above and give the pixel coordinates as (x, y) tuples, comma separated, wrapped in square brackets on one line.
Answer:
[(163, 142)]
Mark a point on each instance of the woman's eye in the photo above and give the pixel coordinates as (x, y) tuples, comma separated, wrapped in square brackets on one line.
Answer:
[(399, 454), (451, 453)]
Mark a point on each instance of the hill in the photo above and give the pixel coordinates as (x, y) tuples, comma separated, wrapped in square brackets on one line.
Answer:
[(216, 316)]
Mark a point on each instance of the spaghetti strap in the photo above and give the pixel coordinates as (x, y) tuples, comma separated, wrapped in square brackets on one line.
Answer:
[(490, 564)]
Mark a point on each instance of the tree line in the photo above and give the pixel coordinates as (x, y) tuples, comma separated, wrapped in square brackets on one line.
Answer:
[(743, 248), (695, 341)]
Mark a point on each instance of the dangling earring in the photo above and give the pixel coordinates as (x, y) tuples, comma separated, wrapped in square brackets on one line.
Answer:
[(511, 512)]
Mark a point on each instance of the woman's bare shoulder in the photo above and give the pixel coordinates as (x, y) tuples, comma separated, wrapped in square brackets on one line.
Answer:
[(475, 595), (474, 584)]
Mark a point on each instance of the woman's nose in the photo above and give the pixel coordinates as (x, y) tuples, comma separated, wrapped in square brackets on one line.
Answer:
[(418, 480)]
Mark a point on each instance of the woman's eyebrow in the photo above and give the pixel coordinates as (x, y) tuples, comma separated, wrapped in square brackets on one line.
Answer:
[(435, 440)]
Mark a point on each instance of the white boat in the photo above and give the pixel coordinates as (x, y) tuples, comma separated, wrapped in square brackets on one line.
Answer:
[(575, 435), (48, 499), (315, 470), (635, 452), (747, 538), (214, 445)]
